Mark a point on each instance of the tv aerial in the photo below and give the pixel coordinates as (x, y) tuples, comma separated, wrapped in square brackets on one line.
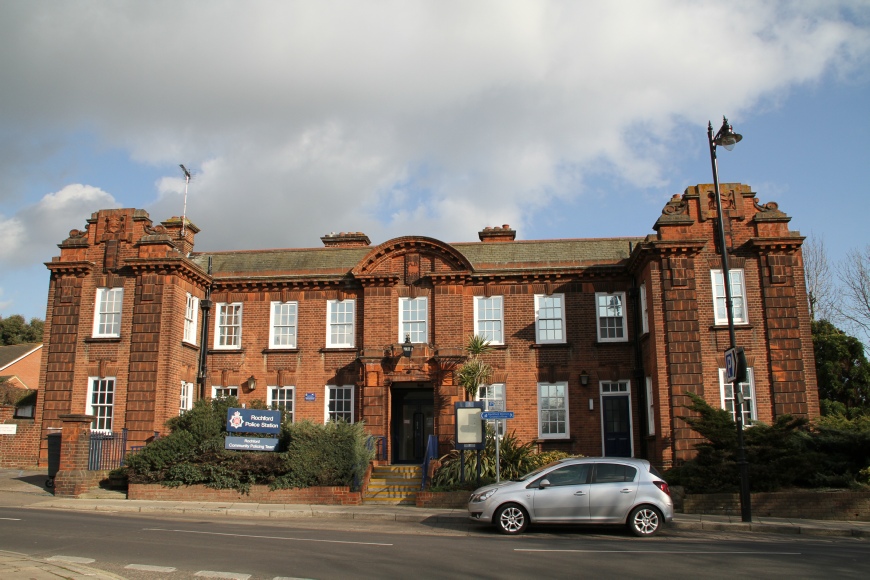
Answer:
[(187, 177)]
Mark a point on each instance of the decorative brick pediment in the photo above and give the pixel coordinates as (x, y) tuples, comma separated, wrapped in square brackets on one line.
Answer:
[(412, 258)]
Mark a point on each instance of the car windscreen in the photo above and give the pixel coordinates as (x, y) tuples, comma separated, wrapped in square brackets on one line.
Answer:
[(532, 474)]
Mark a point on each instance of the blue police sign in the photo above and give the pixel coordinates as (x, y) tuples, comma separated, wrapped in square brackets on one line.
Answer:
[(253, 421)]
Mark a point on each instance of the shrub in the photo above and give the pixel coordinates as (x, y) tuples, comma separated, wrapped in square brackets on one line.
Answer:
[(193, 453), (515, 459), (791, 452), (331, 454)]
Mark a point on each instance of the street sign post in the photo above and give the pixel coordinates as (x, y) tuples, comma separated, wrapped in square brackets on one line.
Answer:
[(497, 416)]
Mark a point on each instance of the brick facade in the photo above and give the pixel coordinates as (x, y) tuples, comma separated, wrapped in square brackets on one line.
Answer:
[(680, 353)]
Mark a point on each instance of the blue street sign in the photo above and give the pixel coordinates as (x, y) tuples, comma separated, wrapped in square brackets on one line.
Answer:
[(253, 421), (730, 365), (497, 415)]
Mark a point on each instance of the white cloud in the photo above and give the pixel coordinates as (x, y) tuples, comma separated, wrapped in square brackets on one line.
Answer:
[(393, 117), (32, 235)]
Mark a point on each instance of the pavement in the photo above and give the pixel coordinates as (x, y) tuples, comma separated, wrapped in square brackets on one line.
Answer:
[(25, 488)]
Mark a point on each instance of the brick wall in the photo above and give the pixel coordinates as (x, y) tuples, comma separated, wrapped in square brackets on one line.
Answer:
[(21, 450), (338, 495), (812, 505)]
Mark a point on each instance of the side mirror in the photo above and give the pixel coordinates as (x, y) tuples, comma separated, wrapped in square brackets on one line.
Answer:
[(544, 483)]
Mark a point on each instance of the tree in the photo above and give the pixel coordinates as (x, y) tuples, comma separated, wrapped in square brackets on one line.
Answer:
[(474, 371), (820, 288), (842, 369), (854, 276), (14, 330)]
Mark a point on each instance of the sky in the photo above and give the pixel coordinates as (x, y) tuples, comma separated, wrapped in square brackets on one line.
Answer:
[(563, 119)]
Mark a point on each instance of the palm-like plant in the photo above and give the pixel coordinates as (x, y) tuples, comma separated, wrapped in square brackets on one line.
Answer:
[(474, 371)]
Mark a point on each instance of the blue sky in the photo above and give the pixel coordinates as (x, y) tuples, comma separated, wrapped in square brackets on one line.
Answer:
[(562, 119)]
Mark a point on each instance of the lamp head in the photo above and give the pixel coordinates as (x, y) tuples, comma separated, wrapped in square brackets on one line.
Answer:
[(726, 137), (407, 347)]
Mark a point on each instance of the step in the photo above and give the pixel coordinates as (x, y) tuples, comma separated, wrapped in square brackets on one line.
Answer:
[(394, 485)]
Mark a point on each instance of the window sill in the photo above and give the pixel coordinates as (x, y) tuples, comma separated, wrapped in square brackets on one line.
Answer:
[(554, 440), (280, 350), (189, 345), (724, 326), (226, 351), (339, 349), (550, 345), (103, 339), (606, 342)]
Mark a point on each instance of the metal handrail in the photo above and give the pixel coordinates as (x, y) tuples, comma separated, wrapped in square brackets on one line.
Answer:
[(431, 453)]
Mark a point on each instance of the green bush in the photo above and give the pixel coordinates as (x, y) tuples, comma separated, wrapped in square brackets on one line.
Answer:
[(331, 454), (515, 459), (790, 453), (193, 453)]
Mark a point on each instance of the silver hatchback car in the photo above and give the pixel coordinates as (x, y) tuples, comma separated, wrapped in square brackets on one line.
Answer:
[(584, 490)]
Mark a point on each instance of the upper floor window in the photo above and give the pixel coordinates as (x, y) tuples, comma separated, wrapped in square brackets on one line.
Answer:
[(340, 323), (190, 315), (228, 330), (738, 296), (549, 318), (747, 389), (489, 318), (610, 316), (186, 401), (339, 403), (101, 403), (282, 325), (412, 319), (281, 398), (107, 313), (644, 314), (553, 410)]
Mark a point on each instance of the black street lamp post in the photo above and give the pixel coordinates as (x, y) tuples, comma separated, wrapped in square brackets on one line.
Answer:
[(727, 138)]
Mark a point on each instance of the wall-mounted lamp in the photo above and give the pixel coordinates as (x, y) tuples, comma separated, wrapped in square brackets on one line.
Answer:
[(252, 383), (584, 379), (407, 347)]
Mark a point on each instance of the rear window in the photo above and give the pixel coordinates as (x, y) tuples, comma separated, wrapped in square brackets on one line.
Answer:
[(612, 472), (655, 472)]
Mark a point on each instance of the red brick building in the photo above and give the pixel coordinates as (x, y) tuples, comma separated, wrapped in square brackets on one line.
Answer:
[(597, 341)]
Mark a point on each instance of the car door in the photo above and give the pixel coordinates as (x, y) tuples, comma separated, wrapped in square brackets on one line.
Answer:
[(612, 492), (564, 497)]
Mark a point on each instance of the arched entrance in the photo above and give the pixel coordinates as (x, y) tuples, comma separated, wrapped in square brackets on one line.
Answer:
[(412, 420)]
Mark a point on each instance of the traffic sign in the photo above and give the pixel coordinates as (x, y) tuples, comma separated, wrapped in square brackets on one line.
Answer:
[(497, 415), (730, 365)]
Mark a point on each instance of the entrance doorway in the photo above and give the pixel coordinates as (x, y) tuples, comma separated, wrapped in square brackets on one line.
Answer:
[(413, 420), (617, 426)]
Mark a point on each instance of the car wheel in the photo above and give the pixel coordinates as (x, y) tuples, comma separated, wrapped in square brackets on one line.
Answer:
[(511, 519), (645, 521)]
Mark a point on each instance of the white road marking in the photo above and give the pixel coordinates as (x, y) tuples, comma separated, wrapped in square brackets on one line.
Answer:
[(265, 537), (12, 519), (227, 575), (147, 568), (289, 578), (70, 559), (684, 552)]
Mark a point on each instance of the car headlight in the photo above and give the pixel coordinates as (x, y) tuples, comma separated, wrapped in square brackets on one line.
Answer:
[(483, 496)]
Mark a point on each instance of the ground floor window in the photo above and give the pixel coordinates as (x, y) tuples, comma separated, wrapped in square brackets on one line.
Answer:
[(281, 398), (101, 403), (493, 399), (186, 401), (553, 410), (339, 403), (747, 389), (223, 392)]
